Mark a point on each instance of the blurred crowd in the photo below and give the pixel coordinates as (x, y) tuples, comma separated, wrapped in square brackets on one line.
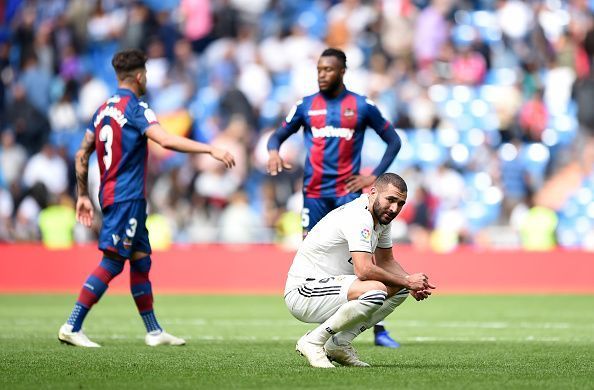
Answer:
[(493, 100)]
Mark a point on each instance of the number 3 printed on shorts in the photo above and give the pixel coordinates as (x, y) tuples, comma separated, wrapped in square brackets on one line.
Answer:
[(106, 135), (131, 231)]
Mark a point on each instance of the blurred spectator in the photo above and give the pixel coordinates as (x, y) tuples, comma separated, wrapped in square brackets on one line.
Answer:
[(468, 66), (239, 223), (36, 82), (431, 32), (93, 93), (63, 114), (105, 26), (160, 232), (583, 93), (56, 224), (139, 26), (49, 168), (12, 158), (424, 207), (27, 212), (537, 229), (534, 117), (197, 21), (30, 125)]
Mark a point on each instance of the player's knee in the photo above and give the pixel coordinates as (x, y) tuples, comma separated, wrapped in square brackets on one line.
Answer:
[(373, 298), (113, 266), (141, 265), (370, 285), (360, 287)]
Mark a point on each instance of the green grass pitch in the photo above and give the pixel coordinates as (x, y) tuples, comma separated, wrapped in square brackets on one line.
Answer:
[(448, 342)]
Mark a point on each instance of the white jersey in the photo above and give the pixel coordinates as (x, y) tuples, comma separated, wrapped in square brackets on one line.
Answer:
[(326, 251)]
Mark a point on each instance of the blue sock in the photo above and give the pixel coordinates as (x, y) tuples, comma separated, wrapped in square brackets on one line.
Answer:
[(77, 316), (142, 292), (150, 322), (93, 288)]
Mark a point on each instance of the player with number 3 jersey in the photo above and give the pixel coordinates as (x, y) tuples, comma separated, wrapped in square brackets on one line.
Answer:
[(119, 132)]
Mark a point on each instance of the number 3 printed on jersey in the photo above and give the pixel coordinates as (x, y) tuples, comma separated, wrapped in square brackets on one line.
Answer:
[(106, 135)]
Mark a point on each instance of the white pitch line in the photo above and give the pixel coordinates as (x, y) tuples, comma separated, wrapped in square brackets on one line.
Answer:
[(394, 322), (412, 340), (263, 322)]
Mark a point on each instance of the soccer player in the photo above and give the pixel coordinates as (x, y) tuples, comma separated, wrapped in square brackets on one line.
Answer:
[(344, 275), (119, 131), (334, 122)]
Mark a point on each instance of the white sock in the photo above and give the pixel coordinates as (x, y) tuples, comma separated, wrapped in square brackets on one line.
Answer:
[(352, 312), (347, 335)]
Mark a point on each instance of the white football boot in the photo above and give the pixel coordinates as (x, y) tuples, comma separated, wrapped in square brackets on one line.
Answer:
[(314, 353), (154, 339), (78, 339), (343, 355)]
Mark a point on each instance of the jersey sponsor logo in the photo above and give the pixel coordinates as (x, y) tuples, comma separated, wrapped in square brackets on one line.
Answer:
[(111, 112), (331, 131), (316, 112), (348, 112), (365, 234)]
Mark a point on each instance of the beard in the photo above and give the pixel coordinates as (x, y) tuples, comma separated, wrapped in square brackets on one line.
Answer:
[(383, 216), (331, 88)]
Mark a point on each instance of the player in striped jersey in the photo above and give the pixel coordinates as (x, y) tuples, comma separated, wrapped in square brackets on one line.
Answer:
[(334, 121), (344, 275), (119, 132)]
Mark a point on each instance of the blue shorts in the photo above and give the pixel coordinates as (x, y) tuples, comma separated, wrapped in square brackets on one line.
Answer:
[(315, 209), (124, 228)]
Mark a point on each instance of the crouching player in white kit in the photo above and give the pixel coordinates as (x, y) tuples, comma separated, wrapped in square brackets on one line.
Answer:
[(344, 275)]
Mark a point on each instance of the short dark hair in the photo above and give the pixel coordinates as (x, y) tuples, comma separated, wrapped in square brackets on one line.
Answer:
[(126, 61), (390, 178), (332, 52)]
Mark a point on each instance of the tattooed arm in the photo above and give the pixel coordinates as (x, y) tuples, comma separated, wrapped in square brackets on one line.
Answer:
[(84, 207)]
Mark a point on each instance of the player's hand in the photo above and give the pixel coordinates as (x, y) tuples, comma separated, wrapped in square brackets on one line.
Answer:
[(276, 164), (356, 183), (84, 211), (223, 156), (418, 282), (420, 294)]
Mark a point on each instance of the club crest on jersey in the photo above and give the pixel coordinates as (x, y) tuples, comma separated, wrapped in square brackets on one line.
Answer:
[(127, 242), (348, 112), (365, 234)]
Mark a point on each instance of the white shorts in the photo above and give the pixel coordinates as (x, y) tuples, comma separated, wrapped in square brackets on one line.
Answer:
[(316, 300)]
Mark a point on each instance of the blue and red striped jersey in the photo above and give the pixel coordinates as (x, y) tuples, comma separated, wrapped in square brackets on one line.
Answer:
[(333, 135), (119, 126)]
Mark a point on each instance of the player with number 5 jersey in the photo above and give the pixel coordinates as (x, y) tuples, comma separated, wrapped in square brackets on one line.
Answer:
[(119, 132), (334, 121)]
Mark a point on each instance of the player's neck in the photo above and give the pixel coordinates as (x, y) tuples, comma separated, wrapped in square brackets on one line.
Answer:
[(334, 93), (130, 86)]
